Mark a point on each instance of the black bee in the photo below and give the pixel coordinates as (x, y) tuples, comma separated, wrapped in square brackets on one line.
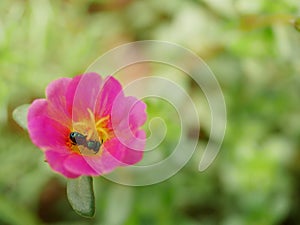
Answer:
[(80, 139), (93, 145), (77, 138)]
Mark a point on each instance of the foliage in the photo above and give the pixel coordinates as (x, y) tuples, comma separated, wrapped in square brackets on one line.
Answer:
[(253, 49)]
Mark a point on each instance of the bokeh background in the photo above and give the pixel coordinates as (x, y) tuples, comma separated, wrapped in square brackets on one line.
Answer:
[(253, 49)]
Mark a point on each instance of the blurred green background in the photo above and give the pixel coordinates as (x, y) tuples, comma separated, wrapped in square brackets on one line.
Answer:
[(253, 49)]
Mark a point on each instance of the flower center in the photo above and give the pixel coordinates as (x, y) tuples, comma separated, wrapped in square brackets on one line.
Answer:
[(87, 137)]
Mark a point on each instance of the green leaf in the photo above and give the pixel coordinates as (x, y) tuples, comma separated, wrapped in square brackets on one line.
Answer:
[(81, 196), (20, 115)]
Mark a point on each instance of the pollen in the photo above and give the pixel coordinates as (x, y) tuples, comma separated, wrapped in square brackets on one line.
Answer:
[(93, 129), (102, 128)]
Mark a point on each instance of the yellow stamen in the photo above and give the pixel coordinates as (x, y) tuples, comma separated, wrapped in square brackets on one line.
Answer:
[(100, 127), (93, 129), (103, 119), (91, 115)]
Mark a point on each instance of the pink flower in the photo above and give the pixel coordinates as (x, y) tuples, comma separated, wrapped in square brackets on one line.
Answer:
[(86, 126)]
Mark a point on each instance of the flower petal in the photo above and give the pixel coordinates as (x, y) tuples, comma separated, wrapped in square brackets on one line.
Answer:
[(56, 161), (129, 152), (83, 92), (44, 131), (109, 91), (69, 100), (103, 163), (70, 93), (77, 164), (132, 115), (138, 114), (128, 114), (56, 96)]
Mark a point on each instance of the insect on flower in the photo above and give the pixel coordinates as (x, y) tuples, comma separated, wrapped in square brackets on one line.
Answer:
[(77, 138), (88, 131), (80, 139)]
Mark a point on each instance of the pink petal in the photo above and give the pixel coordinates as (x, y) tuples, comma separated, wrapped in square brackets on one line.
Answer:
[(137, 113), (134, 154), (50, 121), (82, 94), (103, 163), (115, 154), (129, 152), (56, 96), (70, 93), (44, 131), (56, 161), (110, 90), (128, 113), (77, 164)]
